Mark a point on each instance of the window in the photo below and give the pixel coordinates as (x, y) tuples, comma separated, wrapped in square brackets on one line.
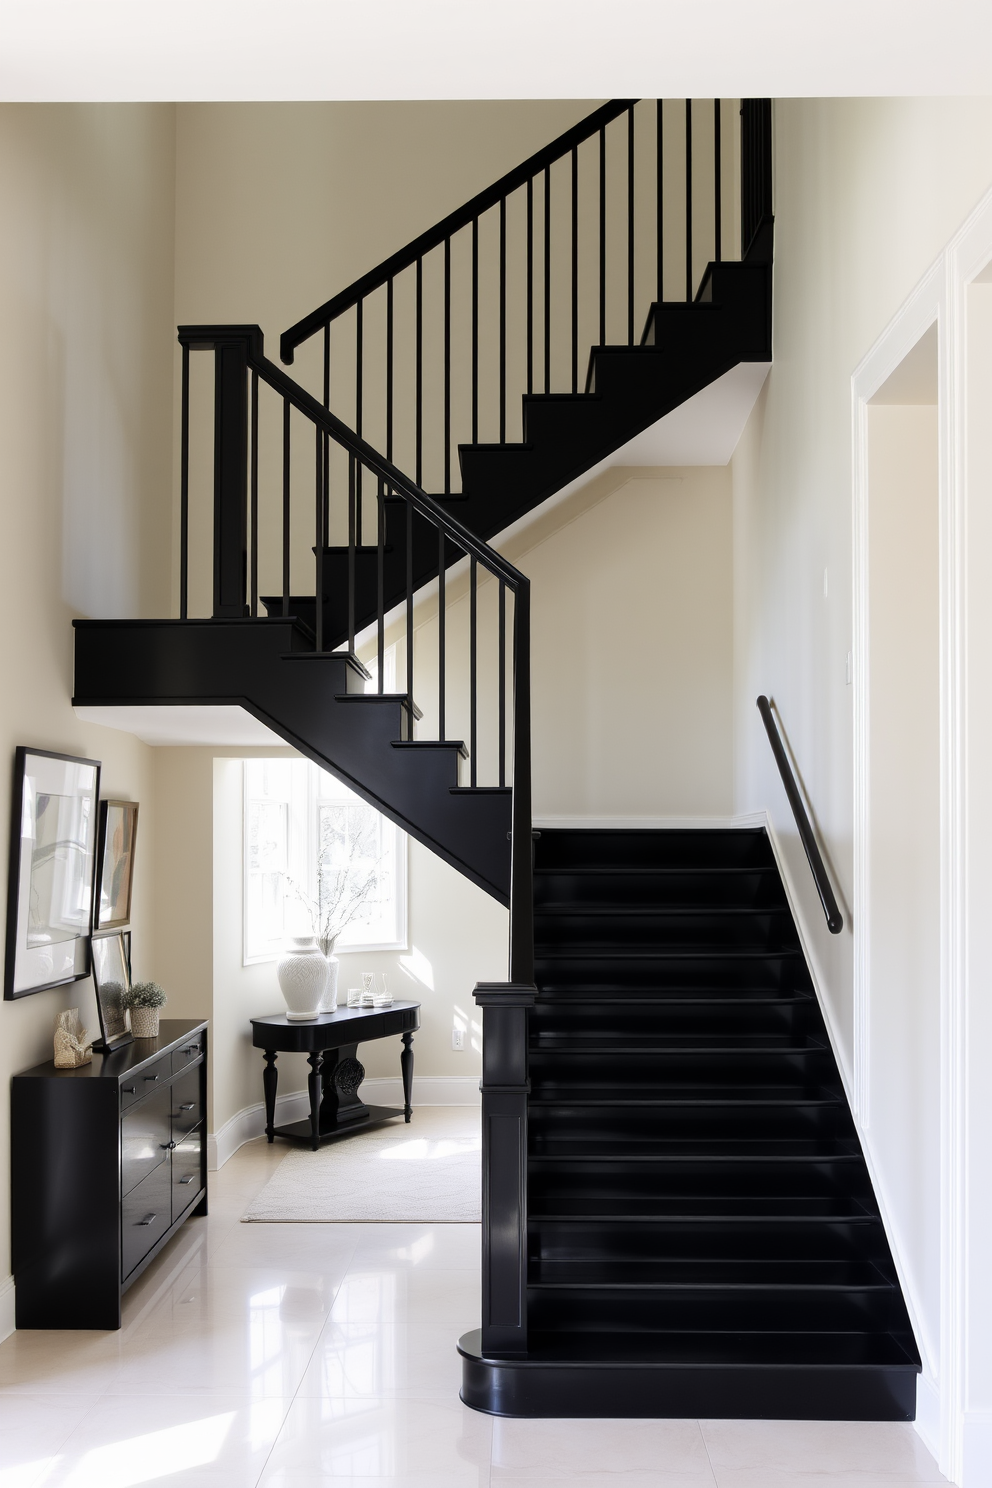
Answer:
[(296, 816)]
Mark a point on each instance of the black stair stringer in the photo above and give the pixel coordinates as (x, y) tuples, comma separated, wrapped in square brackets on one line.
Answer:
[(702, 1234), (316, 704)]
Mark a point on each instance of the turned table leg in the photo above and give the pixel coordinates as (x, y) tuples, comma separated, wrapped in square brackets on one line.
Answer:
[(315, 1061), (270, 1079), (406, 1068)]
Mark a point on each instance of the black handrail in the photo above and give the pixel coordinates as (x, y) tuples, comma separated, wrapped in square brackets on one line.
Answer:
[(835, 920), (247, 341), (406, 257)]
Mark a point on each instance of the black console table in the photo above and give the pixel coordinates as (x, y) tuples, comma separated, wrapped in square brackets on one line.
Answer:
[(107, 1161), (330, 1042)]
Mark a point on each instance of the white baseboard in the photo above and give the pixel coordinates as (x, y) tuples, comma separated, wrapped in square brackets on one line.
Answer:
[(650, 823), (6, 1307), (249, 1123), (928, 1417)]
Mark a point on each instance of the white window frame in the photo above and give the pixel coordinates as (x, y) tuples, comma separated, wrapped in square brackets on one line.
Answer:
[(306, 794)]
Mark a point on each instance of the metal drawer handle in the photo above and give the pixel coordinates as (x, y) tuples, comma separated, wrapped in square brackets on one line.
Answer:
[(148, 1219), (153, 1077), (187, 1179), (128, 1089), (193, 1049), (188, 1106), (167, 1146)]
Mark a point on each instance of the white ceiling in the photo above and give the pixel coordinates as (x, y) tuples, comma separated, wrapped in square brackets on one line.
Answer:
[(376, 49), (184, 724)]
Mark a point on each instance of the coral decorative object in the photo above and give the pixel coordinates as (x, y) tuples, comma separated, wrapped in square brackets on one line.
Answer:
[(303, 973)]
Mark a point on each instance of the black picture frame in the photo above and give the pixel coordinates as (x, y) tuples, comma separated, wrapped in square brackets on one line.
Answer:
[(112, 980), (52, 870), (115, 864)]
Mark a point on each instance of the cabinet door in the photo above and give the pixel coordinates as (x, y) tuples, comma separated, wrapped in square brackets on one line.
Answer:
[(146, 1134), (187, 1102), (187, 1172), (146, 1214)]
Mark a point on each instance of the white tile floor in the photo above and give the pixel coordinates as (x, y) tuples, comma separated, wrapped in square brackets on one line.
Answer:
[(296, 1355)]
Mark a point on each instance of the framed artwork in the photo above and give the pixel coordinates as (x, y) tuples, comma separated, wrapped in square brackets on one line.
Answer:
[(52, 866), (115, 857), (111, 978)]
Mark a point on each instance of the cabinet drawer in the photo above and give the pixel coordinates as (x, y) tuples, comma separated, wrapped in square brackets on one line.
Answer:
[(146, 1132), (189, 1051), (146, 1214), (136, 1086), (187, 1103), (187, 1171)]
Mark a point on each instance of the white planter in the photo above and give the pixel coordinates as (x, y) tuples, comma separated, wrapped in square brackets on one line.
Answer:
[(330, 998), (302, 974)]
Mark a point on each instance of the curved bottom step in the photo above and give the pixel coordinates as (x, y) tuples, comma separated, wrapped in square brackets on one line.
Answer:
[(567, 1384)]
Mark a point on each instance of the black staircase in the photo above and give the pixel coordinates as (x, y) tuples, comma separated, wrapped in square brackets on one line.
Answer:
[(701, 1236), (677, 1217)]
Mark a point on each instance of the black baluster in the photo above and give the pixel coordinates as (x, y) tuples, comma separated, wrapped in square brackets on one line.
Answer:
[(440, 633), (409, 619), (717, 202), (184, 493), (447, 366), (575, 269), (602, 236), (661, 209), (320, 538), (630, 226), (352, 500), (530, 285), (420, 372), (359, 357), (501, 666), (502, 320), (475, 330), (688, 200), (473, 735), (285, 504), (389, 370), (380, 580), (254, 495), (547, 279)]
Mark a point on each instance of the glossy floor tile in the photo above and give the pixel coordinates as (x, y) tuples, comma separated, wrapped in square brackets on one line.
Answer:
[(323, 1356)]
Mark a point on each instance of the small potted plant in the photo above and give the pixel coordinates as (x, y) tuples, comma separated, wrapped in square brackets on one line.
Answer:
[(143, 1001)]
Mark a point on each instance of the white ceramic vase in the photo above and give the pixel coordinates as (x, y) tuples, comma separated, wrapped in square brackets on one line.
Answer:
[(330, 999), (302, 974)]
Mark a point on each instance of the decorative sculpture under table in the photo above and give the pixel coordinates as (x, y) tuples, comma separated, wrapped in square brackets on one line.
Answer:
[(330, 1041)]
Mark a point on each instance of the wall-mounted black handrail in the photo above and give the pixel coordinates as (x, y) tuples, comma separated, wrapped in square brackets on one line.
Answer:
[(835, 920)]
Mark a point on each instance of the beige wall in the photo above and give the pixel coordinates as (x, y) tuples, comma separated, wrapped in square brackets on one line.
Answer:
[(86, 239)]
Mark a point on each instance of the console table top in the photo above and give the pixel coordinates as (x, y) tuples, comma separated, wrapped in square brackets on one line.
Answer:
[(332, 1030)]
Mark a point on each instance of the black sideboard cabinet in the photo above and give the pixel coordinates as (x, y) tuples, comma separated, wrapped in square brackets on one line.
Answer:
[(107, 1161)]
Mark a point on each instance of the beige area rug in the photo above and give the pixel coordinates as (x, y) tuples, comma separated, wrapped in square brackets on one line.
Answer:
[(428, 1172)]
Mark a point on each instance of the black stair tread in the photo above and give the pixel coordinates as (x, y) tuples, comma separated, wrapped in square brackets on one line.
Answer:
[(673, 1094), (557, 908), (878, 1350), (548, 1042), (590, 1208), (721, 1274), (705, 1149), (664, 951), (457, 744), (605, 998), (650, 870)]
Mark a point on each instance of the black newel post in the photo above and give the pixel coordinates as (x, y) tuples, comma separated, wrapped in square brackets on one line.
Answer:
[(505, 1015), (230, 479)]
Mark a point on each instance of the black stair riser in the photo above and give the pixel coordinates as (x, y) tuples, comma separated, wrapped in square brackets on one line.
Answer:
[(602, 849), (627, 973), (577, 1310), (607, 1243), (610, 1025), (636, 1129), (758, 889)]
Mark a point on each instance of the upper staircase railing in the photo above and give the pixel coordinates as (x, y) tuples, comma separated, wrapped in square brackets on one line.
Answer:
[(507, 295), (265, 527)]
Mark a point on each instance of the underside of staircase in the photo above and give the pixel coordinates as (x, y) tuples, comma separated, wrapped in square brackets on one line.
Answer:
[(702, 1236), (678, 1218)]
